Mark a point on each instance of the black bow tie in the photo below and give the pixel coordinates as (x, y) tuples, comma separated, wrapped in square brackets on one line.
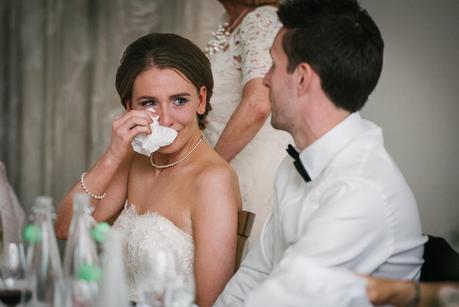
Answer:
[(298, 165)]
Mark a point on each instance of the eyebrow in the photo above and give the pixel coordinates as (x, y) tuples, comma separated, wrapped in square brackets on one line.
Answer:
[(170, 97), (180, 95)]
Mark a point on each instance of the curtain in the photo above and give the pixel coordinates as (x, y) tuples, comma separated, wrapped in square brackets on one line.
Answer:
[(58, 60)]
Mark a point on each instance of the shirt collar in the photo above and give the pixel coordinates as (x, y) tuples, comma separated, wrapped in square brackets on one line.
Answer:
[(318, 155)]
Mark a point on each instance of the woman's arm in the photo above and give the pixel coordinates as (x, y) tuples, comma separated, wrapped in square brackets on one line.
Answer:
[(110, 173), (214, 220), (254, 39), (401, 293), (246, 120), (382, 291)]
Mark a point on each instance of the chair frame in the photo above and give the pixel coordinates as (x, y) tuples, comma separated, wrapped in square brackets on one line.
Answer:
[(245, 221)]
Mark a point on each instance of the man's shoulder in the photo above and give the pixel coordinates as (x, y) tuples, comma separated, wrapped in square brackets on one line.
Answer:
[(365, 166), (366, 158)]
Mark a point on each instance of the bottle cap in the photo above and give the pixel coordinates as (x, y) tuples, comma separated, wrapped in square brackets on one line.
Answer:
[(32, 234), (43, 204), (100, 231), (44, 201), (81, 199), (89, 272)]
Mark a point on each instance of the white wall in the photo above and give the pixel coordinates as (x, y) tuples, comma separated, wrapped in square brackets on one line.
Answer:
[(417, 103)]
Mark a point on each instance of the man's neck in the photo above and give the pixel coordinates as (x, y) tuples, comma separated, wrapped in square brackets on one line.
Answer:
[(314, 126)]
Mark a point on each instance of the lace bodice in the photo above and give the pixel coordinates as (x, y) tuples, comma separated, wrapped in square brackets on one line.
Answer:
[(145, 234)]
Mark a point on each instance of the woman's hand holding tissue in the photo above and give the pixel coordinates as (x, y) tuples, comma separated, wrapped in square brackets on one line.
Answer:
[(161, 136), (124, 128)]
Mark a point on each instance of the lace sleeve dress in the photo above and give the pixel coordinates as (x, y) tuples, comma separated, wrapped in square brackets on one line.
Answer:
[(245, 56)]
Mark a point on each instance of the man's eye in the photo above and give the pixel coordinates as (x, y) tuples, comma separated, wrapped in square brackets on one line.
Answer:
[(180, 101)]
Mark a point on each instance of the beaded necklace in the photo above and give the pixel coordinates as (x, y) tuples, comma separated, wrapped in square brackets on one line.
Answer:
[(221, 35), (176, 162)]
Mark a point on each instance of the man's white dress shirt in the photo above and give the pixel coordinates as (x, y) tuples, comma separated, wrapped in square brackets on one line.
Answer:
[(357, 213)]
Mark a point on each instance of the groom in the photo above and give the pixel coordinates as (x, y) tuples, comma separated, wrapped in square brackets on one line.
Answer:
[(340, 203)]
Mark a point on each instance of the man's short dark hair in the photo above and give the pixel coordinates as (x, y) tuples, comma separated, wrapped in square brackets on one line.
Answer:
[(340, 41)]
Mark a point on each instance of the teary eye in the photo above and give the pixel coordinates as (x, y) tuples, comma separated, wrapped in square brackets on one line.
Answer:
[(178, 101), (149, 103)]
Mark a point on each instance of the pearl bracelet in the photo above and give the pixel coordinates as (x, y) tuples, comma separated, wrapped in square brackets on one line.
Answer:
[(83, 185)]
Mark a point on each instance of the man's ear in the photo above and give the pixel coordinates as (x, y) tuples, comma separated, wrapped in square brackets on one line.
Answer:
[(304, 73), (202, 100)]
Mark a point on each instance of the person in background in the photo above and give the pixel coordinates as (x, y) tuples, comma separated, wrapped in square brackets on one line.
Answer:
[(340, 201), (184, 197), (12, 217), (239, 56)]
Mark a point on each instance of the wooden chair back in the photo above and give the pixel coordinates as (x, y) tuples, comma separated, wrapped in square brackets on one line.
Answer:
[(244, 227)]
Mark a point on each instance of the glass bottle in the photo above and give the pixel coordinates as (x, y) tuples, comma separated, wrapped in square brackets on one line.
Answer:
[(81, 263), (1, 238), (43, 259), (99, 233), (113, 290)]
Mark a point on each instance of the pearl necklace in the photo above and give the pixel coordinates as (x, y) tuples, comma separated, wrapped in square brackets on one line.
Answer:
[(221, 35), (176, 162)]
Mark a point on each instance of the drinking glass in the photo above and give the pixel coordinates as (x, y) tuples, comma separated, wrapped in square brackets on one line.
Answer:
[(180, 292), (15, 286), (159, 270), (15, 291), (449, 296)]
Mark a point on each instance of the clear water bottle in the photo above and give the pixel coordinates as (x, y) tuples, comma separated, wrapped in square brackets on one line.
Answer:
[(81, 264), (1, 238), (99, 233), (113, 290), (43, 260)]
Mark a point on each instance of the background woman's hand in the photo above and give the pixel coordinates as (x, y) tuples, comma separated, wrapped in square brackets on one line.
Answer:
[(399, 293), (124, 128)]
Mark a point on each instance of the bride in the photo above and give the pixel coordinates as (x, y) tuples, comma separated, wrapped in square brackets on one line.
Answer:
[(184, 197)]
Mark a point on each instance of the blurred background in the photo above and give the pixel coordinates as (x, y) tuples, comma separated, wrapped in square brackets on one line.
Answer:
[(58, 60)]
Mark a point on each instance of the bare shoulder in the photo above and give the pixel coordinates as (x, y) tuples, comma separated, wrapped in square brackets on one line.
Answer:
[(217, 182), (216, 171)]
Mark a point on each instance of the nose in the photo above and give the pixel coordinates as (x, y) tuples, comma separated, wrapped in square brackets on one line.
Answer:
[(165, 117)]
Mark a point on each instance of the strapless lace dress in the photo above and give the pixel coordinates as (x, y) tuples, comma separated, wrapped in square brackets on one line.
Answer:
[(144, 234)]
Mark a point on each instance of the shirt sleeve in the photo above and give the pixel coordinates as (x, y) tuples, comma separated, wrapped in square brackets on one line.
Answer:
[(254, 269), (349, 229), (310, 285), (253, 40)]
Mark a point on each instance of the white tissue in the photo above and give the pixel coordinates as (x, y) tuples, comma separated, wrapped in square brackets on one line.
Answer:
[(160, 136)]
